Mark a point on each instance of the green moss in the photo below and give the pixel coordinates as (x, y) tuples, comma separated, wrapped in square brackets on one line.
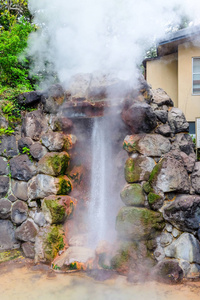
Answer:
[(130, 147), (59, 163), (155, 172), (54, 242), (152, 198), (65, 187), (9, 255), (57, 211), (119, 260), (138, 223), (147, 188)]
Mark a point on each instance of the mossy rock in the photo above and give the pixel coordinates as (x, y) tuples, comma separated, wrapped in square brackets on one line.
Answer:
[(132, 195), (64, 186), (131, 143), (53, 242), (155, 172), (155, 201), (130, 256), (54, 163), (138, 169), (54, 212), (136, 223), (57, 209), (147, 187)]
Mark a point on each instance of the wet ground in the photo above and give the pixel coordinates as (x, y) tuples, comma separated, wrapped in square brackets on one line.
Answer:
[(21, 280)]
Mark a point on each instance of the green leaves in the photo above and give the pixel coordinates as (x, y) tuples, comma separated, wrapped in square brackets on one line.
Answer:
[(13, 67)]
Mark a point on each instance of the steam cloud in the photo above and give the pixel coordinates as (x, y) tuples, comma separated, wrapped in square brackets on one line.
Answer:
[(111, 36)]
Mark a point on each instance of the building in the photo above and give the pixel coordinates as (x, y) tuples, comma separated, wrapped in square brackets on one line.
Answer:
[(176, 69)]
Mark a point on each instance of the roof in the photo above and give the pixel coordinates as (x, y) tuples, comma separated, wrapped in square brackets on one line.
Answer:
[(170, 44)]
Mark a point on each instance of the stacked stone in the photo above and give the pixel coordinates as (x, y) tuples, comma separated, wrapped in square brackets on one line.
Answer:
[(34, 186), (163, 177)]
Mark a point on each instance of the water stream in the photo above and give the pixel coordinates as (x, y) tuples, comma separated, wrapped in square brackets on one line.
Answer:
[(100, 204)]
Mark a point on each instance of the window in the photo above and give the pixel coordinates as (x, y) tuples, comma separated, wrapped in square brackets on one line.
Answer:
[(196, 76)]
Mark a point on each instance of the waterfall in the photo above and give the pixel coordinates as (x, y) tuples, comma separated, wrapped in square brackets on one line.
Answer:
[(101, 169)]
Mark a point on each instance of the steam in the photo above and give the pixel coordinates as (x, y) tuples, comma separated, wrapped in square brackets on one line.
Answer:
[(110, 36)]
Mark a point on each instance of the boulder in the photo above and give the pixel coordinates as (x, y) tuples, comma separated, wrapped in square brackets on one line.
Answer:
[(57, 208), (166, 239), (132, 195), (170, 175), (189, 161), (132, 258), (76, 258), (138, 169), (4, 186), (168, 272), (34, 125), (186, 247), (54, 163), (29, 98), (184, 143), (184, 212), (195, 177), (194, 271), (53, 98), (162, 115), (22, 168), (3, 122), (5, 208), (19, 212), (27, 231), (4, 169), (37, 151), (42, 186), (139, 117), (155, 201), (130, 143), (138, 223), (160, 97), (58, 123), (8, 146), (39, 219), (24, 142), (20, 189), (7, 236), (28, 249), (177, 121), (164, 130), (153, 145), (53, 141)]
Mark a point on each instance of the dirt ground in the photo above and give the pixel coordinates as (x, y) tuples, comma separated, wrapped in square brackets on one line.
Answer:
[(20, 279)]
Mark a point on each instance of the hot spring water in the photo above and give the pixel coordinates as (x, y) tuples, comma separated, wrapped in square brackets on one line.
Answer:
[(101, 219)]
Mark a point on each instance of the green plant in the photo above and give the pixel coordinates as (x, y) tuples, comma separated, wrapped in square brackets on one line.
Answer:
[(26, 150), (4, 131), (73, 266), (55, 267)]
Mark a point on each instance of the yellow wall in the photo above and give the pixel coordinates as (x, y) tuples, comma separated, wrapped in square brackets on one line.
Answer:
[(188, 103), (163, 73)]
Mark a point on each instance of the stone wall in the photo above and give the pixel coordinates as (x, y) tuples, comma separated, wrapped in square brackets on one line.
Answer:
[(35, 179), (162, 194)]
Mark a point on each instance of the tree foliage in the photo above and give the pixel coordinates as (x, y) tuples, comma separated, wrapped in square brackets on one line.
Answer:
[(15, 27)]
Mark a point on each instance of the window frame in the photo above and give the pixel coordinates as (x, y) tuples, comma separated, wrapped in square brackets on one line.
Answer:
[(193, 58)]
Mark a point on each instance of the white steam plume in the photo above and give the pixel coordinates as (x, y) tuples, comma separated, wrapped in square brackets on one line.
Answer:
[(111, 36)]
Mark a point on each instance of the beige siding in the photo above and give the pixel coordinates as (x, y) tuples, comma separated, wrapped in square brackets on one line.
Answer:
[(163, 73), (188, 103)]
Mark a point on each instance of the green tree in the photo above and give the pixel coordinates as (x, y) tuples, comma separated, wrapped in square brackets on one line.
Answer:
[(13, 65)]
